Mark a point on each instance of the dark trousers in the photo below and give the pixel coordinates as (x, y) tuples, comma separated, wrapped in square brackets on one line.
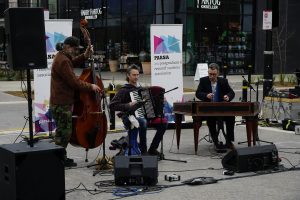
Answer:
[(212, 126), (160, 130)]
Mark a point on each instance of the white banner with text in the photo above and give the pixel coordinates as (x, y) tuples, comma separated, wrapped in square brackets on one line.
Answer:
[(56, 32), (166, 63)]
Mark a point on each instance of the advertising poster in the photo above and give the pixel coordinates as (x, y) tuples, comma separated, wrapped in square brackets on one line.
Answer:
[(56, 31), (166, 63)]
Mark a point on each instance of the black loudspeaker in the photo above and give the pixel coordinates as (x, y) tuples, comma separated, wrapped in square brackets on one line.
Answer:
[(251, 158), (26, 38), (33, 173), (268, 74), (135, 170)]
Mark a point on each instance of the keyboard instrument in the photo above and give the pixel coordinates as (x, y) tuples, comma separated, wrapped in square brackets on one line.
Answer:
[(199, 110)]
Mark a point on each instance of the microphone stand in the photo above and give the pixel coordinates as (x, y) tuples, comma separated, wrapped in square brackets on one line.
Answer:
[(162, 156), (256, 138), (250, 86)]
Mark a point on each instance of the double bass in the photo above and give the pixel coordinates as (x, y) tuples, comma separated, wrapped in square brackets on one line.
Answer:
[(89, 121)]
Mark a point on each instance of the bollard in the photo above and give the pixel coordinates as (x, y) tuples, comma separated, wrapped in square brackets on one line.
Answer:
[(244, 91), (112, 93)]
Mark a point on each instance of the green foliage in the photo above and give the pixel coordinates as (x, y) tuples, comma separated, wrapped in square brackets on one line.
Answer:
[(281, 78), (291, 79), (11, 75)]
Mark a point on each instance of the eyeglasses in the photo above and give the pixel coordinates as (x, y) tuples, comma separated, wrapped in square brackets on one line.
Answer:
[(212, 74)]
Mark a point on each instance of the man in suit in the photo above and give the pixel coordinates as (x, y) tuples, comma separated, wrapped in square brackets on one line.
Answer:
[(216, 89)]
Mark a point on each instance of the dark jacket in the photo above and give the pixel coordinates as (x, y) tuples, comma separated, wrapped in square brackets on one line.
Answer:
[(64, 81), (121, 100), (204, 88)]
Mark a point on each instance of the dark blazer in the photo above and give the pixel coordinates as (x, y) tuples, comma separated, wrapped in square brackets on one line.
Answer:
[(204, 88)]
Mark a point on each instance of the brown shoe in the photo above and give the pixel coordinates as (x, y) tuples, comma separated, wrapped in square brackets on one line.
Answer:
[(230, 145)]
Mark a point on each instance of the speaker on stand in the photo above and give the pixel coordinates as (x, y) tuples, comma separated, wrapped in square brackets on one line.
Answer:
[(25, 33), (29, 170)]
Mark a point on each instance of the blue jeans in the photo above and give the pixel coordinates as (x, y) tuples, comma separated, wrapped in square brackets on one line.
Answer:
[(133, 132)]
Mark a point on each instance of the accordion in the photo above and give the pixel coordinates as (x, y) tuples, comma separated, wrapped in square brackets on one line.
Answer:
[(154, 102)]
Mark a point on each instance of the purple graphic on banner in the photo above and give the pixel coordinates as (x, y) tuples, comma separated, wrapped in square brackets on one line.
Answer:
[(52, 40), (43, 119), (166, 44)]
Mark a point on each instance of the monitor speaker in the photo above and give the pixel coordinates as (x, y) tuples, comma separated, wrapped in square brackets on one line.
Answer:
[(26, 38), (251, 158), (135, 170), (33, 173)]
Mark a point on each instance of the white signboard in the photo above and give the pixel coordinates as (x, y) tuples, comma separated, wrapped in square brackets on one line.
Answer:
[(267, 20), (56, 31), (166, 63), (201, 71)]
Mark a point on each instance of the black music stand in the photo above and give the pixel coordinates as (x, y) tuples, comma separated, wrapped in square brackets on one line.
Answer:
[(162, 156)]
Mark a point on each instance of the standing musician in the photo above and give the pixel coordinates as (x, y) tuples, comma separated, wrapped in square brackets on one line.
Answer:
[(122, 102), (63, 84), (216, 89)]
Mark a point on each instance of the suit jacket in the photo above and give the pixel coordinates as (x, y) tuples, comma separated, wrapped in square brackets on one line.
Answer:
[(204, 88)]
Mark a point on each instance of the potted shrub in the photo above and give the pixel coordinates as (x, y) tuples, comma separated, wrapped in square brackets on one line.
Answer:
[(146, 62)]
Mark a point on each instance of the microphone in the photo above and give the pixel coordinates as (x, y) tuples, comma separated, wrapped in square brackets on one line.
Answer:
[(244, 78)]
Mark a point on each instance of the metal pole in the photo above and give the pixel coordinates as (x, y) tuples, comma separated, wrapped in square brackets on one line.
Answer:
[(30, 142), (268, 59)]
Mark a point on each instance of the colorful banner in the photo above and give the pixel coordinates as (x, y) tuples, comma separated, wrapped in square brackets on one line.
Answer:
[(166, 63), (56, 31)]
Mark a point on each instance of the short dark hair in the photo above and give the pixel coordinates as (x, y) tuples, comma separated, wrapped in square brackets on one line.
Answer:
[(130, 68), (214, 66), (72, 41)]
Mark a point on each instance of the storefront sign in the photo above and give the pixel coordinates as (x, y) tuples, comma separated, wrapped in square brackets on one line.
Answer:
[(91, 13), (166, 63), (208, 4), (56, 31), (267, 20)]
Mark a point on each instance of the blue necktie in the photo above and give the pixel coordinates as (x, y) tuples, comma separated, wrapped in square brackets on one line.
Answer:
[(216, 94)]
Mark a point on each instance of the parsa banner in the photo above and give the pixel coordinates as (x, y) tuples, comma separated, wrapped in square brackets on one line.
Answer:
[(166, 63), (56, 31)]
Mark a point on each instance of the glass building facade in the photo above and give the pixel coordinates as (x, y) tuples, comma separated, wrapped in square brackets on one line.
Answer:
[(221, 31)]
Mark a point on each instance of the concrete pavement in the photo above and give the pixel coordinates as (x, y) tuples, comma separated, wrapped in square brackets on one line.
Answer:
[(206, 163)]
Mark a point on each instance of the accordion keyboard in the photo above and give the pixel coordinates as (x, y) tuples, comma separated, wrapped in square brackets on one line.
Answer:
[(134, 95)]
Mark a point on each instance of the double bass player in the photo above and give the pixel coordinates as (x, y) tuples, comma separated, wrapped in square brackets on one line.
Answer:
[(63, 85)]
